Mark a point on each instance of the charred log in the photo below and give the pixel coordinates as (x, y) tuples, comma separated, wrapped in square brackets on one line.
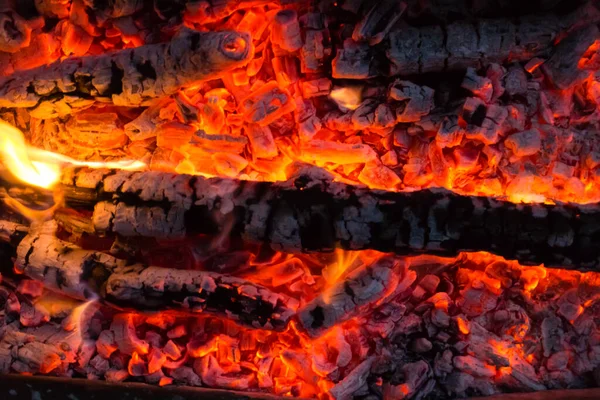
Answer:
[(130, 77), (85, 274), (311, 213), (370, 285), (463, 44)]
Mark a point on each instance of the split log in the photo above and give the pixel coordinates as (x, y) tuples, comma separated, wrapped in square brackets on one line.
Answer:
[(131, 77), (310, 212), (85, 274), (461, 45)]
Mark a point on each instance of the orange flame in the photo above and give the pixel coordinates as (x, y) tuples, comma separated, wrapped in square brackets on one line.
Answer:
[(42, 168)]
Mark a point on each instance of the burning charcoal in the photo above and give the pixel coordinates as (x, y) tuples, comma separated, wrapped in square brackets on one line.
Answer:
[(379, 176), (316, 87), (106, 345), (300, 363), (415, 374), (40, 357), (30, 288), (515, 81), (126, 338), (465, 158), (266, 104), (487, 131), (473, 366), (418, 100), (286, 70), (443, 364), (75, 40), (148, 123), (450, 133), (352, 61), (421, 345), (562, 171), (53, 8), (558, 361), (390, 158), (430, 283), (524, 143), (495, 73), (353, 382), (101, 131), (478, 85), (137, 366), (214, 375), (562, 67), (172, 351), (261, 141), (285, 30), (377, 22), (339, 153), (15, 32), (313, 51), (227, 164), (31, 316), (116, 375)]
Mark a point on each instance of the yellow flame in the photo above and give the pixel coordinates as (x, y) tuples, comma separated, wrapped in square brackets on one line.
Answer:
[(348, 98), (333, 272), (42, 168)]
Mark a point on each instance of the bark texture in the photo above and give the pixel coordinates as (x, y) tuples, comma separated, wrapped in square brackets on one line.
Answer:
[(85, 274), (130, 77), (310, 213)]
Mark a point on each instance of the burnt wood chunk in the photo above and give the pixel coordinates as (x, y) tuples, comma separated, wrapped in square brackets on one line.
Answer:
[(561, 68), (130, 77)]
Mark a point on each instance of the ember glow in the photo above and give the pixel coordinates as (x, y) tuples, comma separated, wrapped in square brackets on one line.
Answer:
[(163, 281), (42, 168)]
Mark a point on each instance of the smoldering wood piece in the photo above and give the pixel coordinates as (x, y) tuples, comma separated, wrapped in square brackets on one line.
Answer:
[(85, 274), (368, 285), (15, 32), (310, 212), (561, 68), (101, 10), (155, 288), (130, 77), (12, 232), (113, 8), (463, 44)]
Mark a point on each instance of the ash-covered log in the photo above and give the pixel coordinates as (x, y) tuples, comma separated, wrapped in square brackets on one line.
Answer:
[(130, 77), (85, 274), (310, 212)]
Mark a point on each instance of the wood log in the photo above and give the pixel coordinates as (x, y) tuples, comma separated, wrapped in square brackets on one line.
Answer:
[(460, 45), (310, 212), (85, 274), (351, 296), (561, 68), (131, 77)]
